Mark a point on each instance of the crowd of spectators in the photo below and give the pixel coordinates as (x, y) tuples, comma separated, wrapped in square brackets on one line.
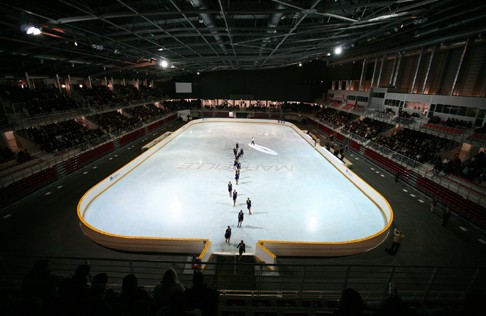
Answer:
[(367, 128), (335, 118), (414, 145), (56, 137), (47, 293), (115, 122), (36, 101), (146, 112), (97, 96), (178, 105), (129, 94), (418, 146), (473, 169)]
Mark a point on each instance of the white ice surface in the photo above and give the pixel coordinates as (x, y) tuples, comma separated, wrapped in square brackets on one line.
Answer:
[(181, 191)]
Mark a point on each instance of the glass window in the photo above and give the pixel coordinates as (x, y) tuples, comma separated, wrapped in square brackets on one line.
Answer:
[(439, 108)]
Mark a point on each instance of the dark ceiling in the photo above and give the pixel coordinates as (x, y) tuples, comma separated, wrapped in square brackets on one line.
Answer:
[(120, 38)]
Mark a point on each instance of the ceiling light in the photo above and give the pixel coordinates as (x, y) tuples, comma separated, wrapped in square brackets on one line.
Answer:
[(75, 43), (163, 63), (160, 49), (198, 73), (338, 50), (299, 64), (32, 30), (328, 54)]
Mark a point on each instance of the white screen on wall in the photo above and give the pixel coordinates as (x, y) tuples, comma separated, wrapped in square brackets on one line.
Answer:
[(183, 87)]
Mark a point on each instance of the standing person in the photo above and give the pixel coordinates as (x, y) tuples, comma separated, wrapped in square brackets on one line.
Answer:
[(235, 196), (230, 188), (241, 216), (253, 141), (196, 264), (248, 205), (227, 235), (241, 249), (446, 213), (235, 151), (397, 177), (433, 205), (397, 240), (237, 146), (238, 166), (237, 177)]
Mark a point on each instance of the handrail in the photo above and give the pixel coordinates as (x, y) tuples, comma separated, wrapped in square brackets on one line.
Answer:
[(299, 280)]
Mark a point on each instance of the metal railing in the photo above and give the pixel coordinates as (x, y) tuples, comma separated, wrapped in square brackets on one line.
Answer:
[(470, 191), (233, 277), (47, 160)]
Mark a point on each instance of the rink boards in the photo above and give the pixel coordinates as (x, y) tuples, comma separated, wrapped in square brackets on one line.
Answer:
[(175, 193)]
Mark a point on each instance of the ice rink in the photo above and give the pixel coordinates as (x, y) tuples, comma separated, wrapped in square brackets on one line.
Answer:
[(181, 191)]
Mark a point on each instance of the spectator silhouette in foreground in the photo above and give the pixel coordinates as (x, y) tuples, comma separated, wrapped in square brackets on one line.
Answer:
[(134, 299), (201, 297), (164, 292), (350, 304)]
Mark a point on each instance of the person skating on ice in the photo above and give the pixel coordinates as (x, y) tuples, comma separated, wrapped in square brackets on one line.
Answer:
[(241, 216), (230, 188), (237, 177), (253, 141), (235, 196), (227, 235), (241, 249), (248, 205)]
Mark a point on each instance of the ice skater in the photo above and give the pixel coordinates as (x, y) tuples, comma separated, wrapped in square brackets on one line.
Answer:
[(241, 249), (235, 151), (253, 141), (248, 205), (241, 217), (227, 235), (230, 188), (235, 196), (238, 166), (237, 177)]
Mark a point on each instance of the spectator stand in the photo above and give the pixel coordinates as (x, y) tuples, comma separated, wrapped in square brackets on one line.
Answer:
[(18, 183), (412, 172)]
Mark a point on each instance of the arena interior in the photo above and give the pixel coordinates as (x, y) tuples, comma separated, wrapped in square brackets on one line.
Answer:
[(390, 95)]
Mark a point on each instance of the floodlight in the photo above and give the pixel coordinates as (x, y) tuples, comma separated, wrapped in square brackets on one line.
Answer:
[(32, 30), (338, 50), (164, 63)]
